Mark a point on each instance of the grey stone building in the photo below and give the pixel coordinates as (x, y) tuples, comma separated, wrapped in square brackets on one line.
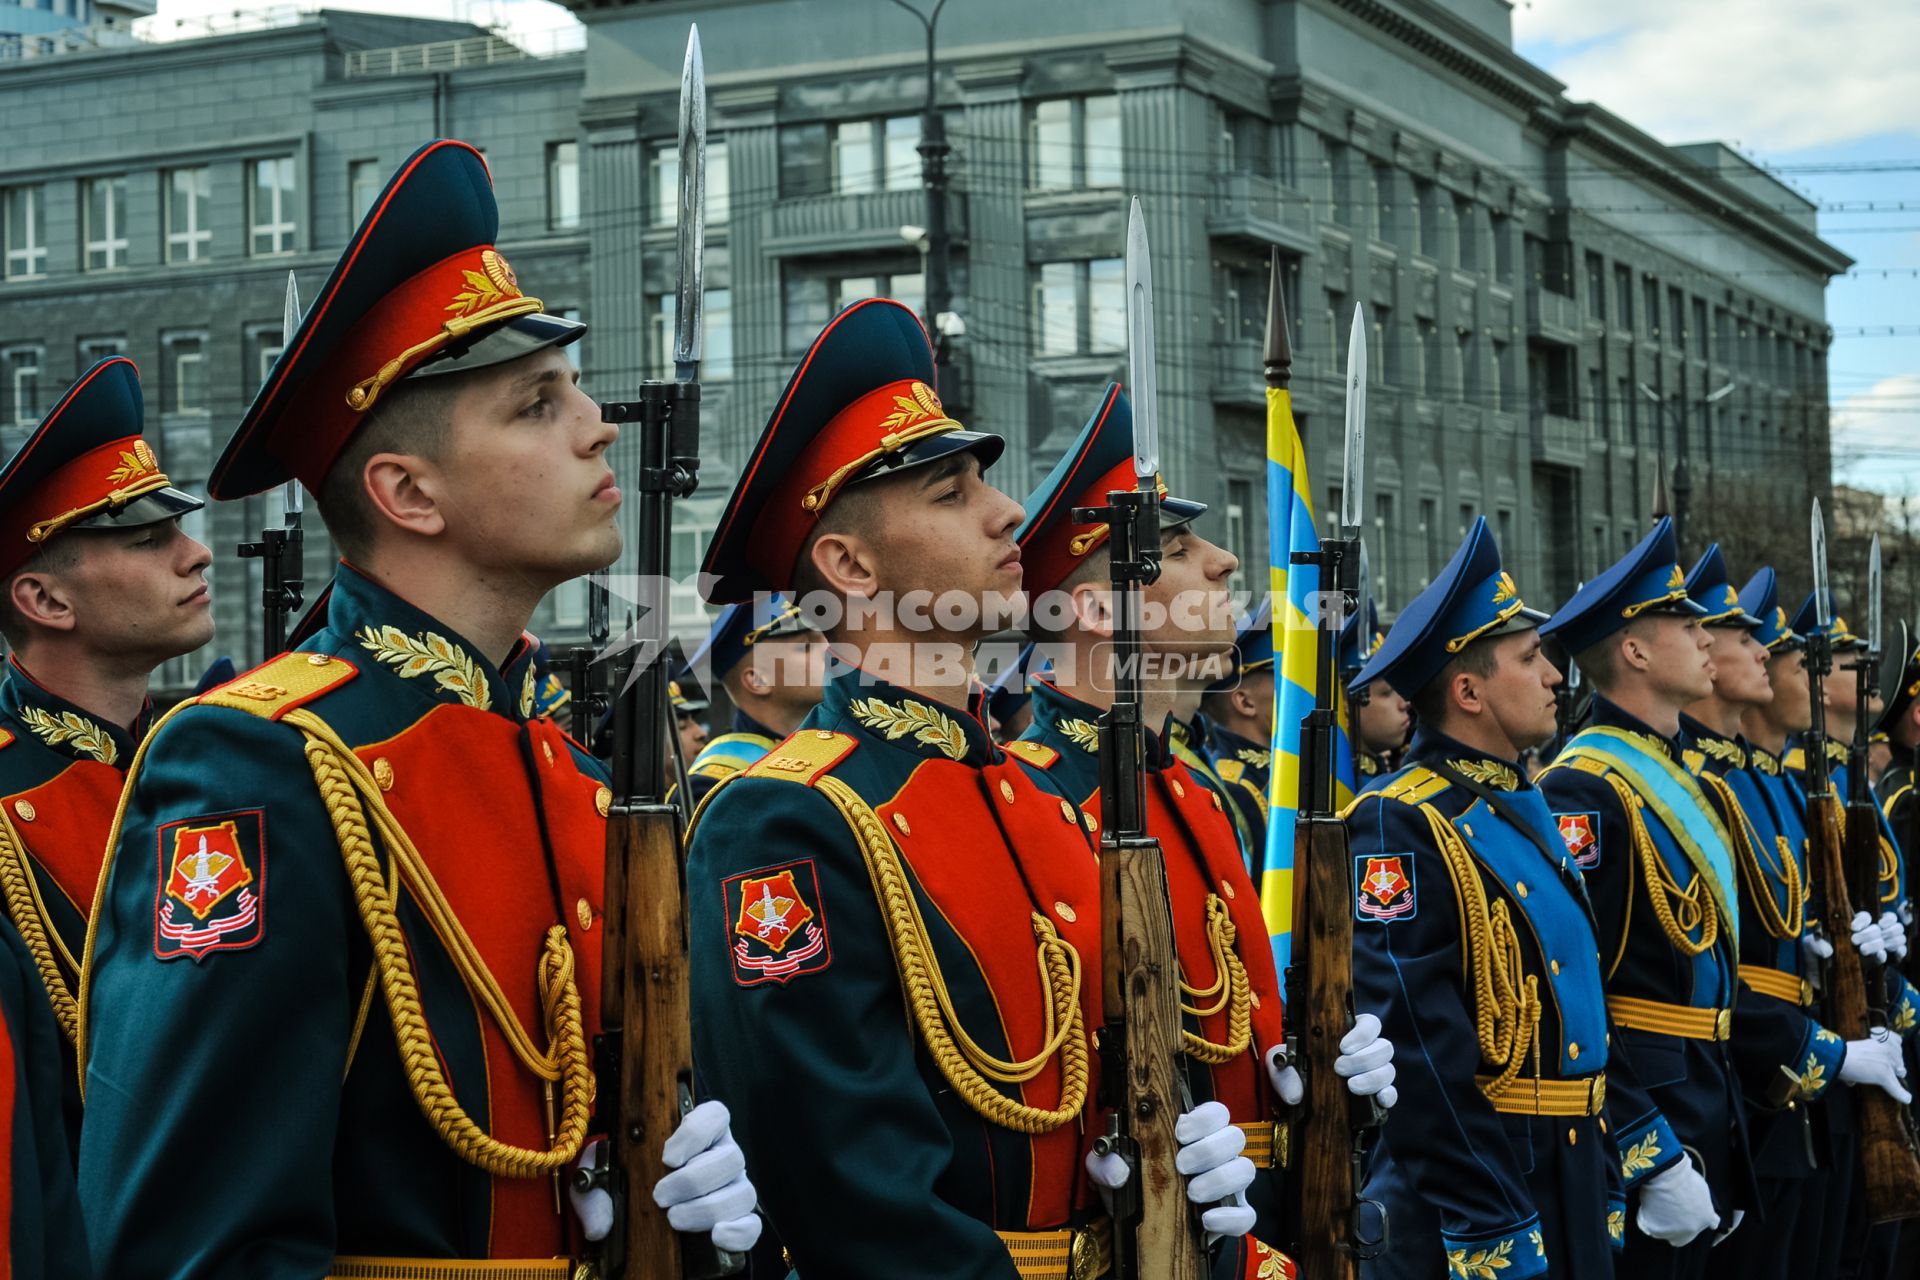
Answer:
[(1535, 273)]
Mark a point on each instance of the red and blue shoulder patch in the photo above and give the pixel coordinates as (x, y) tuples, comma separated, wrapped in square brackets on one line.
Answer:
[(779, 923), (1384, 885), (1581, 832), (212, 885)]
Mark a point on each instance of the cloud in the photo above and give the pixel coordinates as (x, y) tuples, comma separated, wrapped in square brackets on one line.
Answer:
[(1773, 75), (1876, 436)]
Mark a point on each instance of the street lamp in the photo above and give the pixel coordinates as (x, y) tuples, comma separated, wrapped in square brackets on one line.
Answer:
[(1682, 478)]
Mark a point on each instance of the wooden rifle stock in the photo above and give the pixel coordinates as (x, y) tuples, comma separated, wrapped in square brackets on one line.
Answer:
[(1890, 1169)]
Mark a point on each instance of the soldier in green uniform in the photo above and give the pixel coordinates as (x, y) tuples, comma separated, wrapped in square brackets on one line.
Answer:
[(1232, 1007), (350, 928), (771, 664), (895, 927), (102, 586)]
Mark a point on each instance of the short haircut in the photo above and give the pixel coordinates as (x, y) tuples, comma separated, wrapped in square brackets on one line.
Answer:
[(414, 417), (56, 556), (1433, 704)]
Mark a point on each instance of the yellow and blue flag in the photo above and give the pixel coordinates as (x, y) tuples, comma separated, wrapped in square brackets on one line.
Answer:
[(1296, 667)]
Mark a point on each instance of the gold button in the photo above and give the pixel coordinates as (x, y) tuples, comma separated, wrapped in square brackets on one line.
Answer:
[(1179, 791), (900, 821), (1066, 812), (823, 734), (1555, 966), (383, 772), (1573, 1136), (1573, 1051), (1092, 823), (603, 799), (584, 910), (1065, 912), (318, 659), (1006, 791), (547, 747), (1227, 889), (25, 809), (1520, 887)]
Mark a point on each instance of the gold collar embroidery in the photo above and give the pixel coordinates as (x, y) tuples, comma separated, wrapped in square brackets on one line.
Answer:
[(451, 667), (73, 730), (1083, 734), (929, 727), (1488, 773)]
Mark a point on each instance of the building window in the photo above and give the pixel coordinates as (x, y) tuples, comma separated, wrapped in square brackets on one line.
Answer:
[(270, 206), (666, 184), (1467, 229), (263, 345), (105, 205), (363, 187), (1080, 307), (1502, 249), (1623, 294), (185, 373), (91, 351), (716, 334), (563, 185), (1074, 143), (23, 384), (189, 193), (1597, 287), (25, 215)]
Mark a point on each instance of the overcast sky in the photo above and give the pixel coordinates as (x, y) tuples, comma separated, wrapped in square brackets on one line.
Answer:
[(1825, 92)]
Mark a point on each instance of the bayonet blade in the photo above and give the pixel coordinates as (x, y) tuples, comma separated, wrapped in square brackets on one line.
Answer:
[(1365, 604), (291, 499), (692, 228), (1822, 602), (1873, 598), (1351, 484), (1146, 409)]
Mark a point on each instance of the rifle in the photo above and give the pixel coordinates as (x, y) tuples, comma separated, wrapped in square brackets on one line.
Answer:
[(1890, 1168), (281, 550), (1327, 1134), (645, 1052), (1155, 1231)]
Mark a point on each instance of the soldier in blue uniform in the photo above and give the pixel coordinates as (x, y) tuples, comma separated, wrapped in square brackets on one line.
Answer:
[(1232, 1009), (350, 928), (1659, 869), (771, 664), (1473, 941), (102, 586), (1379, 716), (1784, 1058), (1239, 712), (869, 900)]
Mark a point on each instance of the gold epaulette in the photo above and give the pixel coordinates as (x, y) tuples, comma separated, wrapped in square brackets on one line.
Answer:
[(1037, 754), (278, 686), (1415, 787), (804, 757)]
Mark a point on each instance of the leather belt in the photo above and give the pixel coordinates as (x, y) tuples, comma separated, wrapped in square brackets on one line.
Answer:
[(1781, 986), (363, 1268), (1264, 1143), (1683, 1020), (1549, 1097), (1071, 1253)]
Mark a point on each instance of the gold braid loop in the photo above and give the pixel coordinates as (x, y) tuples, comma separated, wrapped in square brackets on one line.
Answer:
[(1230, 986), (1782, 924), (1679, 911), (28, 911), (970, 1069), (336, 772), (1506, 1013)]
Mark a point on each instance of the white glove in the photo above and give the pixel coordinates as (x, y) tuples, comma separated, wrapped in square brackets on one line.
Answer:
[(1894, 934), (1738, 1214), (1867, 937), (1210, 1159), (593, 1207), (1366, 1061), (1816, 947), (1876, 1060), (708, 1188), (1675, 1205)]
